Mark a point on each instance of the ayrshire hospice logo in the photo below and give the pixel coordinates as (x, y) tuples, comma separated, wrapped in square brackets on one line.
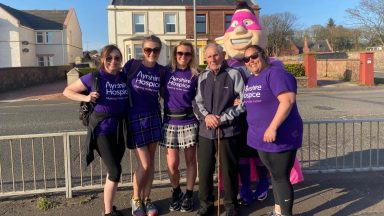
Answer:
[(116, 89), (252, 94), (178, 83), (148, 82)]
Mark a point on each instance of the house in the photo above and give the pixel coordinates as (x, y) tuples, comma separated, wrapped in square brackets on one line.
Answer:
[(171, 20), (38, 37), (305, 46)]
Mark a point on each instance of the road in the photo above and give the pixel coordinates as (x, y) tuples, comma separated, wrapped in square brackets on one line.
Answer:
[(30, 117)]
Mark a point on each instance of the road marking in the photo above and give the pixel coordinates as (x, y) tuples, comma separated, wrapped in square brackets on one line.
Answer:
[(35, 105)]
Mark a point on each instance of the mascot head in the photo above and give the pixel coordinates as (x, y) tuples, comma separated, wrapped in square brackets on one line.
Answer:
[(244, 30)]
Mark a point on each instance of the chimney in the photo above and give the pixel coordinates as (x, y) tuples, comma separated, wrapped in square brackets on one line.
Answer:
[(305, 47)]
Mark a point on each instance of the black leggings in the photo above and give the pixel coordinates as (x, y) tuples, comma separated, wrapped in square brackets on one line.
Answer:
[(279, 165), (111, 152)]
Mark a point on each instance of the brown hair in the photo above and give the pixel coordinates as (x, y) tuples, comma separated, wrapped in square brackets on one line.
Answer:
[(240, 4), (259, 50), (105, 52), (192, 65)]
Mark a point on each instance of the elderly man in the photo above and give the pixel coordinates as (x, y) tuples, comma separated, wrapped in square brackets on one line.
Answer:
[(218, 87)]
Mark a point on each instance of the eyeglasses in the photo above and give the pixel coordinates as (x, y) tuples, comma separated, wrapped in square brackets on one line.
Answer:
[(186, 54), (253, 57), (148, 50), (116, 58)]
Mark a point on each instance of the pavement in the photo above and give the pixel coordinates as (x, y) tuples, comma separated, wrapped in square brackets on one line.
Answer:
[(323, 194)]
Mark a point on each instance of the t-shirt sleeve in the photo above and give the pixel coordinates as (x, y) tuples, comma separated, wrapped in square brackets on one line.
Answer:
[(281, 81), (87, 81)]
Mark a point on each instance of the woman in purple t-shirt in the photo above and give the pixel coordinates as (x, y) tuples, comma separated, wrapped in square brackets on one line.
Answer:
[(275, 127), (180, 128), (144, 121), (109, 97)]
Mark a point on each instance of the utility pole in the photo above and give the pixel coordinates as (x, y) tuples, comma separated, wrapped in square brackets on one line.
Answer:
[(194, 25)]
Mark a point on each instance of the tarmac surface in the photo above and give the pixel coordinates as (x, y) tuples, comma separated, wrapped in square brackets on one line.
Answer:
[(354, 193), (360, 193)]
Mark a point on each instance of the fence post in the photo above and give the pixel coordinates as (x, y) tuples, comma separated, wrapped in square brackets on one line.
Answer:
[(67, 166), (310, 69)]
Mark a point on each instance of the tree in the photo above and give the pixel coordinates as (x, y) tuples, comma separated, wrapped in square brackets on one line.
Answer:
[(331, 23), (280, 31), (369, 15)]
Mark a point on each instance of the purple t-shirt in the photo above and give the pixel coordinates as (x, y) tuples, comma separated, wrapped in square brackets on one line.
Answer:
[(113, 98), (145, 86), (260, 100), (179, 92)]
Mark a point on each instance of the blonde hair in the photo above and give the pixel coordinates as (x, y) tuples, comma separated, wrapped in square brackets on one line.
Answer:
[(192, 64)]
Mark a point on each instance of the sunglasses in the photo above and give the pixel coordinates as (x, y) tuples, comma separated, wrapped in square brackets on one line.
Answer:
[(186, 54), (148, 50), (253, 57), (116, 58)]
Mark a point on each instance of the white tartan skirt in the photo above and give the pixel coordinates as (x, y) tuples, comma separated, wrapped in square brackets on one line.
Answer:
[(180, 136)]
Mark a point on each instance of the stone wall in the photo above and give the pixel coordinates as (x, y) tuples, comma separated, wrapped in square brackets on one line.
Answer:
[(339, 69), (21, 77), (379, 59)]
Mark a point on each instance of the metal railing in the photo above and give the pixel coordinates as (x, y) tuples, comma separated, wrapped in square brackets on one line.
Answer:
[(44, 163), (342, 145)]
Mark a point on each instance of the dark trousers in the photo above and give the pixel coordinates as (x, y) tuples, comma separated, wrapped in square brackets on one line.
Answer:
[(111, 152), (280, 165), (206, 156)]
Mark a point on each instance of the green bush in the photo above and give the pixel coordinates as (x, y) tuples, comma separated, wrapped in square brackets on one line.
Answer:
[(296, 70), (83, 71)]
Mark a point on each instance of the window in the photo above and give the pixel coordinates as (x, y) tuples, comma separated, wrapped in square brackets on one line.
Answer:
[(39, 37), (44, 61), (201, 26), (40, 61), (228, 18), (138, 23), (129, 52), (170, 23), (50, 61), (48, 37), (43, 37), (138, 51)]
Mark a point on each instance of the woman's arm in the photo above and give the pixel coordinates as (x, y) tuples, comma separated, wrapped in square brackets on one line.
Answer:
[(74, 92), (286, 99)]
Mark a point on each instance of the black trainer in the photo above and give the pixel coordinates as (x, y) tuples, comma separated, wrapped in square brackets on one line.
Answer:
[(205, 211), (187, 204), (114, 212), (175, 203)]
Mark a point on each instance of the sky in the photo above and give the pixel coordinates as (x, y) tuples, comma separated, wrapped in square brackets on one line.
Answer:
[(92, 14)]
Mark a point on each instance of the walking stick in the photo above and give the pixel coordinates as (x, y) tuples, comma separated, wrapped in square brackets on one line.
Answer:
[(218, 172)]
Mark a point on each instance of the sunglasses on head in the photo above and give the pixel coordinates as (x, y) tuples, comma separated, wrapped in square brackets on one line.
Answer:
[(253, 57), (116, 58), (148, 50), (186, 54)]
